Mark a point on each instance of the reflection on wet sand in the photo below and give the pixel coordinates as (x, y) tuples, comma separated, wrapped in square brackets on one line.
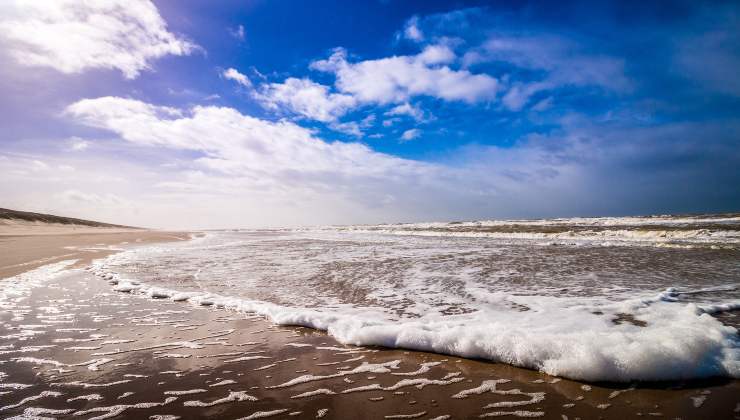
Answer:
[(74, 349)]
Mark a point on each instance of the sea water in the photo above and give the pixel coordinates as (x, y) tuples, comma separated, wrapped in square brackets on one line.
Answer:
[(599, 299)]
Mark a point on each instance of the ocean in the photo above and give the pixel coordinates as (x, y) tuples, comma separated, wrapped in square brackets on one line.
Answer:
[(597, 299)]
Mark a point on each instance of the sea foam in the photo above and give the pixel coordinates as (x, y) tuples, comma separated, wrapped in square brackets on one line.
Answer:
[(456, 296)]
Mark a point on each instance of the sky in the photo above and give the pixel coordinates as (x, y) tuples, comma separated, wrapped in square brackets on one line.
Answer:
[(201, 114)]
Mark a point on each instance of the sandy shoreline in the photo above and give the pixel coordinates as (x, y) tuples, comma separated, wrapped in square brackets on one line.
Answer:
[(246, 366), (33, 248)]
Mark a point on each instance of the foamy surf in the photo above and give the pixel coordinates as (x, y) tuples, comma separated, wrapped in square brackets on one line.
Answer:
[(677, 343), (592, 312)]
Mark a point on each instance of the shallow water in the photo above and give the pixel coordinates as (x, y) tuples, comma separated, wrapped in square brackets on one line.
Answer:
[(596, 299)]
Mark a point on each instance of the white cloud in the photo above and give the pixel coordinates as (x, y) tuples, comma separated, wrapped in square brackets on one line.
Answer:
[(307, 98), (543, 105), (233, 74), (410, 134), (436, 54), (382, 81), (72, 36), (407, 109), (232, 142), (77, 144), (215, 167), (519, 94), (396, 79), (412, 31), (238, 32), (237, 159), (353, 128)]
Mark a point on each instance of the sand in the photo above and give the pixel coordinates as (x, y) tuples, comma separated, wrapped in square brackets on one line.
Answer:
[(72, 344), (34, 246)]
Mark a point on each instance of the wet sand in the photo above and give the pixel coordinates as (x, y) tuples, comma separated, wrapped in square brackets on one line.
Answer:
[(33, 247), (73, 346)]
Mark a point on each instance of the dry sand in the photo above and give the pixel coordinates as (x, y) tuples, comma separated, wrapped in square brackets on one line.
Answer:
[(72, 344)]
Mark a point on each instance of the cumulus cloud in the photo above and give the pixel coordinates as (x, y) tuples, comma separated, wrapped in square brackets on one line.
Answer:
[(383, 81), (436, 54), (238, 170), (412, 31), (410, 134), (397, 79), (232, 142), (307, 98), (407, 109), (353, 128), (233, 74), (72, 36)]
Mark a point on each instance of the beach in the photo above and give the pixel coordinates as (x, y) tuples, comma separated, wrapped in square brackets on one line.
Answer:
[(74, 348)]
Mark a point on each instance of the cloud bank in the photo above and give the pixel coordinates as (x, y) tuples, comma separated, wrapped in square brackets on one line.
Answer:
[(72, 36)]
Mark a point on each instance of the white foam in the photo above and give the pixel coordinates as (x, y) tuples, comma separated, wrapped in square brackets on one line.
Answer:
[(363, 368), (419, 383), (39, 413), (233, 396), (570, 336), (222, 383), (407, 416), (320, 391), (85, 385), (559, 337), (424, 368), (698, 401), (264, 414), (115, 410), (246, 358), (485, 386), (14, 386), (88, 397), (37, 361), (43, 394), (518, 413), (652, 231), (185, 392)]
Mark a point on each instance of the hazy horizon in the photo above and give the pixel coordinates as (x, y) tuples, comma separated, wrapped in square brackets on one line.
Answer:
[(193, 115)]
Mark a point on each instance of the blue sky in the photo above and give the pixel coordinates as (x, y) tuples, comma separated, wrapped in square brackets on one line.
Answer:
[(254, 113)]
